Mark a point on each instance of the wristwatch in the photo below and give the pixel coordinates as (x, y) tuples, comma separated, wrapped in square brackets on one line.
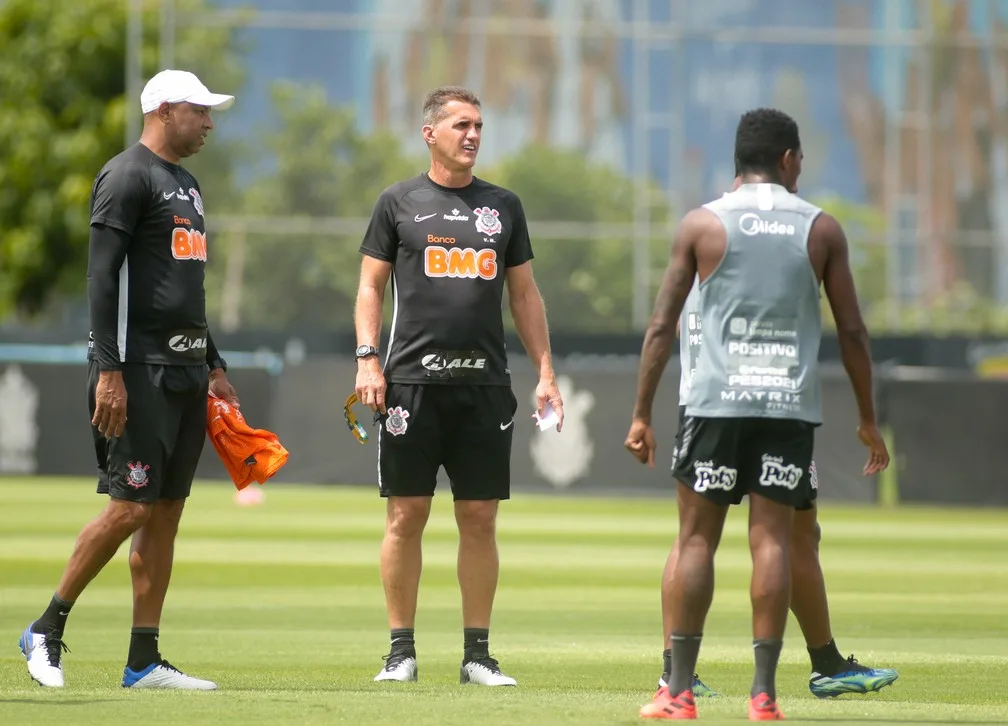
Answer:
[(363, 351)]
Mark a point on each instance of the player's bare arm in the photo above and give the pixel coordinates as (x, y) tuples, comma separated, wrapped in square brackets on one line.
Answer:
[(220, 386), (106, 254), (662, 330), (374, 277), (529, 314), (852, 334)]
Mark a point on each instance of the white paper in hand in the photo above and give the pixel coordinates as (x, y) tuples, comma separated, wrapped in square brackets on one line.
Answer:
[(549, 418)]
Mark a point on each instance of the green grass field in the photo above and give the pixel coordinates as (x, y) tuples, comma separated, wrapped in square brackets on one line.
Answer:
[(282, 605)]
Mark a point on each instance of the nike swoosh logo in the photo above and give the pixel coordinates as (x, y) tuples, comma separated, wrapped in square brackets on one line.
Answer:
[(505, 427), (418, 218), (166, 195)]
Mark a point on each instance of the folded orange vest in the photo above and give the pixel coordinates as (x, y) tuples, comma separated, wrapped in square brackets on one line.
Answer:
[(248, 454)]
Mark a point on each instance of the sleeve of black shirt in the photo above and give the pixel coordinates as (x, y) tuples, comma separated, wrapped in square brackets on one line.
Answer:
[(213, 356), (519, 248), (381, 239), (106, 253), (119, 197)]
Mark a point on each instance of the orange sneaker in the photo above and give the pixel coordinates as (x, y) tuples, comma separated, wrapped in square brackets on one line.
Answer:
[(682, 707), (763, 708)]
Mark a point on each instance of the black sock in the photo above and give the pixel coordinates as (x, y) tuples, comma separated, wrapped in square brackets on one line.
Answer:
[(765, 678), (54, 618), (475, 643), (667, 664), (684, 653), (827, 660), (402, 641), (143, 650)]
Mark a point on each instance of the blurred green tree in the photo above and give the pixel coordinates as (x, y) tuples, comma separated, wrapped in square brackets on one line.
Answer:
[(587, 282), (319, 167), (63, 114)]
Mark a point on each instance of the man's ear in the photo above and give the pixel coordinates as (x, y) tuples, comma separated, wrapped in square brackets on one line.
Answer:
[(428, 134)]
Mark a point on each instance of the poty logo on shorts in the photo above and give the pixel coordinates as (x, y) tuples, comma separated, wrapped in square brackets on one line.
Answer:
[(709, 477), (776, 473), (751, 224)]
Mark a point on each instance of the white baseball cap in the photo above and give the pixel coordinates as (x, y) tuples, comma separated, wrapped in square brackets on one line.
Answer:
[(173, 86)]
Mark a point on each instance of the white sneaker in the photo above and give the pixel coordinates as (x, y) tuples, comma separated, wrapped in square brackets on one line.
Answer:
[(44, 654), (164, 675), (402, 668), (485, 672)]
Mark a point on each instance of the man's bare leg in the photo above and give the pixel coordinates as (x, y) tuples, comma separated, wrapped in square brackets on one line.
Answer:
[(401, 564), (42, 642), (401, 557), (808, 596), (152, 553), (770, 525), (96, 544), (478, 563), (700, 525), (809, 603)]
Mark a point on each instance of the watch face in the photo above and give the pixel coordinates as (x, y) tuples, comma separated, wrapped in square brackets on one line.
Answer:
[(364, 350)]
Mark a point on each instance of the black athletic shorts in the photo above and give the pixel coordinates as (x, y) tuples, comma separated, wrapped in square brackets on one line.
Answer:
[(166, 418), (466, 429), (726, 458)]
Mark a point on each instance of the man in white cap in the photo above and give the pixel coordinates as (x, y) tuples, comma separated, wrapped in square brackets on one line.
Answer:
[(151, 362)]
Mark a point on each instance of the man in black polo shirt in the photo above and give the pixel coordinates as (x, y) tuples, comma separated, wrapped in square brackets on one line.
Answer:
[(148, 361), (449, 242)]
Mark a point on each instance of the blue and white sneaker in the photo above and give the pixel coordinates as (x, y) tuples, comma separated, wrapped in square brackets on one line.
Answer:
[(44, 653), (164, 675), (856, 678), (700, 689)]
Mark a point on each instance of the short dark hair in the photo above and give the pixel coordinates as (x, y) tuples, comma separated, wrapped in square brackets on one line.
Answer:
[(762, 137), (437, 99)]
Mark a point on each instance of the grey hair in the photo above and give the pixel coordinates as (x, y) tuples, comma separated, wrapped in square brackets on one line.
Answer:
[(436, 100)]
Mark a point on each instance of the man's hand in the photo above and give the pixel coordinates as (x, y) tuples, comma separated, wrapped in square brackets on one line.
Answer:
[(878, 455), (110, 404), (547, 392), (641, 442), (221, 387), (370, 386)]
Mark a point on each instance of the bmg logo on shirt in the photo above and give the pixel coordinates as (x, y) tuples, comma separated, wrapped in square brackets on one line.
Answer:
[(466, 262), (188, 243)]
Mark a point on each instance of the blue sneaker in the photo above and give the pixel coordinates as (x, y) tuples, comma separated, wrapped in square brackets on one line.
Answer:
[(164, 675), (699, 689), (856, 678)]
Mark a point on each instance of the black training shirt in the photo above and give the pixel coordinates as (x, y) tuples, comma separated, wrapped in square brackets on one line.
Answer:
[(449, 248), (146, 263)]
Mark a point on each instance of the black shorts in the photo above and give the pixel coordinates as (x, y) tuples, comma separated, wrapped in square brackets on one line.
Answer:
[(166, 417), (466, 429), (724, 459)]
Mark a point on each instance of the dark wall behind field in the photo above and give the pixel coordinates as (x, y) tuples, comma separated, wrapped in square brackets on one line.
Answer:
[(950, 431)]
